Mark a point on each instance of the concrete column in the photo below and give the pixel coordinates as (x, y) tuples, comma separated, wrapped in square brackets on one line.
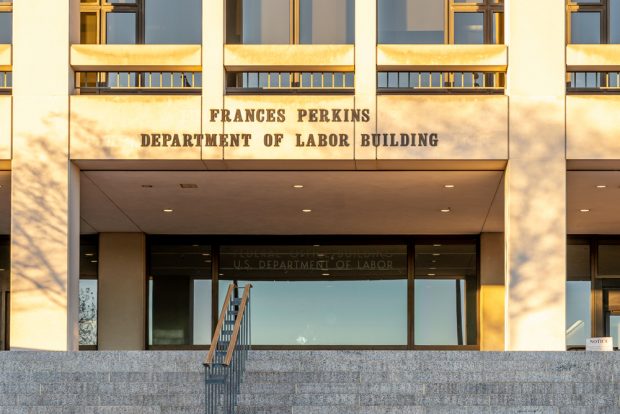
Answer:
[(45, 185), (122, 291), (492, 291), (213, 74), (536, 176), (366, 73)]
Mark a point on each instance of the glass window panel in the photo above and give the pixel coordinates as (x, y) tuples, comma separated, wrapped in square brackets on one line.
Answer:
[(578, 262), (6, 28), (445, 260), (614, 328), (168, 259), (311, 262), (328, 312), (439, 314), (89, 258), (262, 22), (469, 28), (382, 80), (5, 266), (614, 21), (578, 324), (609, 260), (173, 22), (202, 312), (88, 312), (170, 310), (585, 28), (121, 28), (326, 21), (411, 21)]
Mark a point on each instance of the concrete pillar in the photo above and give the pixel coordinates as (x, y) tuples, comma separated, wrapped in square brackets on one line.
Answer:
[(213, 74), (492, 291), (122, 291), (536, 176), (366, 73), (45, 185)]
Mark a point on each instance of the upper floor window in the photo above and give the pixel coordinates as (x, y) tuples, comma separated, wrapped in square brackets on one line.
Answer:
[(290, 21), (6, 21), (140, 21), (593, 21), (440, 21)]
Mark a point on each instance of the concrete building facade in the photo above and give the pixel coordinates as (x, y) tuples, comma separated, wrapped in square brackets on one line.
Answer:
[(457, 177)]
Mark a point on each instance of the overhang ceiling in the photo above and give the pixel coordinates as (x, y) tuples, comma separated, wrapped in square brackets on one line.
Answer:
[(603, 203), (265, 202)]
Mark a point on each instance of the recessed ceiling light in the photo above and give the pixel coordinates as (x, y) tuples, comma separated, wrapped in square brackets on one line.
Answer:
[(147, 186), (585, 210), (449, 186), (436, 254), (298, 186), (601, 186), (431, 274), (195, 245), (221, 274), (188, 185), (206, 254), (93, 261), (436, 245), (168, 210), (446, 210), (89, 254), (316, 245), (306, 210), (432, 268), (326, 274)]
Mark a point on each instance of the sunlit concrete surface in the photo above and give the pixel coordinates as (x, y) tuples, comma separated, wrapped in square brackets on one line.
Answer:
[(136, 57), (6, 57), (442, 57), (593, 58), (289, 57), (592, 127)]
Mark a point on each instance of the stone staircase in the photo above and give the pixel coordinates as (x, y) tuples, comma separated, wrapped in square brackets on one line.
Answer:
[(315, 382), (392, 382)]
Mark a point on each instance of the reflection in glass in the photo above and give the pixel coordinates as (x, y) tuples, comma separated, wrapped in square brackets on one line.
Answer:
[(326, 21), (173, 22), (6, 28), (445, 260), (497, 30), (469, 28), (328, 312), (121, 28), (202, 312), (258, 21), (609, 260), (440, 314), (411, 21), (170, 311), (88, 312), (585, 28), (614, 327), (578, 322), (88, 28), (614, 21), (578, 261)]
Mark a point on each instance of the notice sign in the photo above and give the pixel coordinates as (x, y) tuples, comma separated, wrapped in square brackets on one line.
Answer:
[(600, 344)]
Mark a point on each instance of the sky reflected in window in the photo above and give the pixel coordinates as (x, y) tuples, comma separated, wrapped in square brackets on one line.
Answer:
[(411, 21), (6, 28), (585, 28), (173, 22), (578, 323)]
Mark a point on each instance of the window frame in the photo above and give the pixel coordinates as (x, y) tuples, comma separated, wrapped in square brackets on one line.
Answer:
[(215, 242), (103, 7), (486, 7), (294, 23), (602, 8)]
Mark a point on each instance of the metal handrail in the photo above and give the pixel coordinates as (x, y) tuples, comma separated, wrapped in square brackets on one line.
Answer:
[(225, 362), (235, 335), (218, 328)]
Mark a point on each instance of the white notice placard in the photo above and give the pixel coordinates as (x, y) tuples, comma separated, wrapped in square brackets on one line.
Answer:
[(600, 344)]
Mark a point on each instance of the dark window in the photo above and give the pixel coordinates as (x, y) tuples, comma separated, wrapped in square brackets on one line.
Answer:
[(141, 21), (290, 21), (89, 273), (437, 21), (179, 290), (608, 259), (6, 27), (593, 22)]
